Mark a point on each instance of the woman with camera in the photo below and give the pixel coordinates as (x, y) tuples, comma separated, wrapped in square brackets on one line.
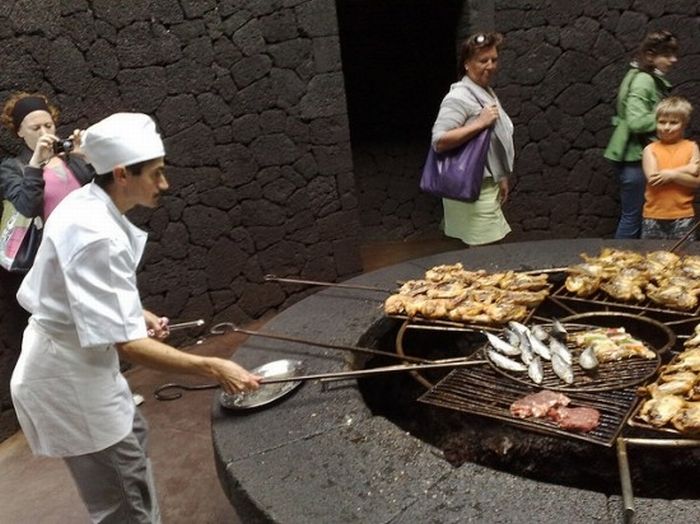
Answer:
[(48, 168)]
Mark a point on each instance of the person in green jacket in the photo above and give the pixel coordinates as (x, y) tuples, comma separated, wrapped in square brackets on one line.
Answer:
[(643, 86)]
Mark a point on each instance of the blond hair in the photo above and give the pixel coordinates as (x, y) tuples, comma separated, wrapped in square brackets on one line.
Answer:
[(674, 106)]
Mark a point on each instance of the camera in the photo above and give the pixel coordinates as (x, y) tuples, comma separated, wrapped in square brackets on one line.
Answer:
[(63, 145)]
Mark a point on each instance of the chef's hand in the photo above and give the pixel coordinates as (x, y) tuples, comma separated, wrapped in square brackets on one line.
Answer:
[(157, 326), (232, 377), (43, 150)]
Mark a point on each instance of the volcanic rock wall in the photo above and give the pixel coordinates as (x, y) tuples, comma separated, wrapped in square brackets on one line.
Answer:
[(249, 97), (560, 68)]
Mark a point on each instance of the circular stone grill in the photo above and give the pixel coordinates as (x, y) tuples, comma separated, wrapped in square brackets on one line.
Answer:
[(325, 455)]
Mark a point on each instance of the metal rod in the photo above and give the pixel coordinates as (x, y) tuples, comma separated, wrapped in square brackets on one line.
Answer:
[(561, 304), (186, 325), (275, 278), (454, 363), (685, 237), (625, 481), (217, 329), (663, 443), (545, 271), (173, 390), (344, 375)]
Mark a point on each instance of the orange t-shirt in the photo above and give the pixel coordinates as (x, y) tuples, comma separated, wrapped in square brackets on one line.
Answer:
[(670, 201)]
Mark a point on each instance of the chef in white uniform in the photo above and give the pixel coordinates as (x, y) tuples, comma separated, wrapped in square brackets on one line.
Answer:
[(70, 397)]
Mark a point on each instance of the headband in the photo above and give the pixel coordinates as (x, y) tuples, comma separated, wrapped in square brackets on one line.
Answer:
[(27, 105)]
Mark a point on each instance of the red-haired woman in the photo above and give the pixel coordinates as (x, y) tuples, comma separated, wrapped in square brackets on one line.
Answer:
[(39, 177)]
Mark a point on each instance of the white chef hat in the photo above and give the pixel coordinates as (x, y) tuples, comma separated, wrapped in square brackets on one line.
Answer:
[(121, 139)]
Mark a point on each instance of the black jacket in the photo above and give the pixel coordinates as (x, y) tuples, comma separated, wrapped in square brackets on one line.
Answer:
[(24, 185)]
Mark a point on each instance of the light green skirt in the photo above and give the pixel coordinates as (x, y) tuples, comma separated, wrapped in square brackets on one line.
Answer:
[(476, 223)]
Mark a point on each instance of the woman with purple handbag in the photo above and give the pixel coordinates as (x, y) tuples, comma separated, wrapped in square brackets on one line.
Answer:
[(469, 114)]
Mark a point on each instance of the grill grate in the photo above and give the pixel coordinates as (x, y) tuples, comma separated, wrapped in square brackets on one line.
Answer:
[(482, 391), (600, 298), (608, 376)]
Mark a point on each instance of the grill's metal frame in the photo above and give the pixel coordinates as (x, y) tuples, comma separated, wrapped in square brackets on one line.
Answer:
[(600, 298), (482, 391)]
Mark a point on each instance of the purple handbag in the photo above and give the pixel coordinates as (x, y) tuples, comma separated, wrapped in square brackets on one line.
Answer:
[(457, 173)]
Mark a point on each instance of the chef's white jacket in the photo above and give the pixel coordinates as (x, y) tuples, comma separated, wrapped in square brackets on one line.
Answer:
[(68, 392)]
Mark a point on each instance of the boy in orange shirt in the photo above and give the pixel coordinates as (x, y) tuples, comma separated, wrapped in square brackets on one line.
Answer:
[(671, 166)]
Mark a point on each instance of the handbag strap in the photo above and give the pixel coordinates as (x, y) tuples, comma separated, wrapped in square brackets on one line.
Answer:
[(475, 97)]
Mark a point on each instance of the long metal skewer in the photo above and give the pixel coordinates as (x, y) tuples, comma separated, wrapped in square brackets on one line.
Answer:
[(221, 328), (685, 237), (159, 392), (345, 375), (275, 278)]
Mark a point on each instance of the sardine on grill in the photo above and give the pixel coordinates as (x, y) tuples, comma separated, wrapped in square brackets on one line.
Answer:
[(562, 369), (587, 359), (504, 362), (535, 370), (501, 345)]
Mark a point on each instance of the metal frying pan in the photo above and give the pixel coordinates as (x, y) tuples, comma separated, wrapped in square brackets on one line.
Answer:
[(278, 369)]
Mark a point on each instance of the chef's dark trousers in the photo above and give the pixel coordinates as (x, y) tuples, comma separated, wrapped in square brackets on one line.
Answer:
[(116, 484)]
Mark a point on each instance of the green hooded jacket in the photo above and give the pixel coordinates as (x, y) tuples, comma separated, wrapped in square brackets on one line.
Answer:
[(635, 121)]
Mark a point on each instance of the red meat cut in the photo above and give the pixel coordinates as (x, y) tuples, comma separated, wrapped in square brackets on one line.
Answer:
[(538, 404), (575, 419)]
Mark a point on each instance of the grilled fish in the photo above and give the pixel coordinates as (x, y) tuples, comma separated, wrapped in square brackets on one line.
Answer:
[(587, 360), (539, 347), (539, 333), (562, 369), (535, 370), (501, 345), (504, 362), (557, 348)]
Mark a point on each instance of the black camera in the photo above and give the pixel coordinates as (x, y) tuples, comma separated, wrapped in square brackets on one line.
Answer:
[(63, 145)]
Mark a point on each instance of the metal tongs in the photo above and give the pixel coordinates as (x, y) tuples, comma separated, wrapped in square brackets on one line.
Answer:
[(177, 326)]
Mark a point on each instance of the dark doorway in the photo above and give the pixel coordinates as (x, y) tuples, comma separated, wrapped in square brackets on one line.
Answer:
[(398, 61)]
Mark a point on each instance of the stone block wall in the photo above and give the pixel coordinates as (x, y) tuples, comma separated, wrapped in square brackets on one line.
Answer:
[(560, 68), (249, 97)]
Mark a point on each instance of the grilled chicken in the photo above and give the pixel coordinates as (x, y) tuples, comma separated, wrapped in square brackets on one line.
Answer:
[(690, 266), (674, 296), (677, 383), (694, 340), (688, 419), (660, 409), (582, 285), (661, 261), (626, 285), (451, 292), (611, 344)]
